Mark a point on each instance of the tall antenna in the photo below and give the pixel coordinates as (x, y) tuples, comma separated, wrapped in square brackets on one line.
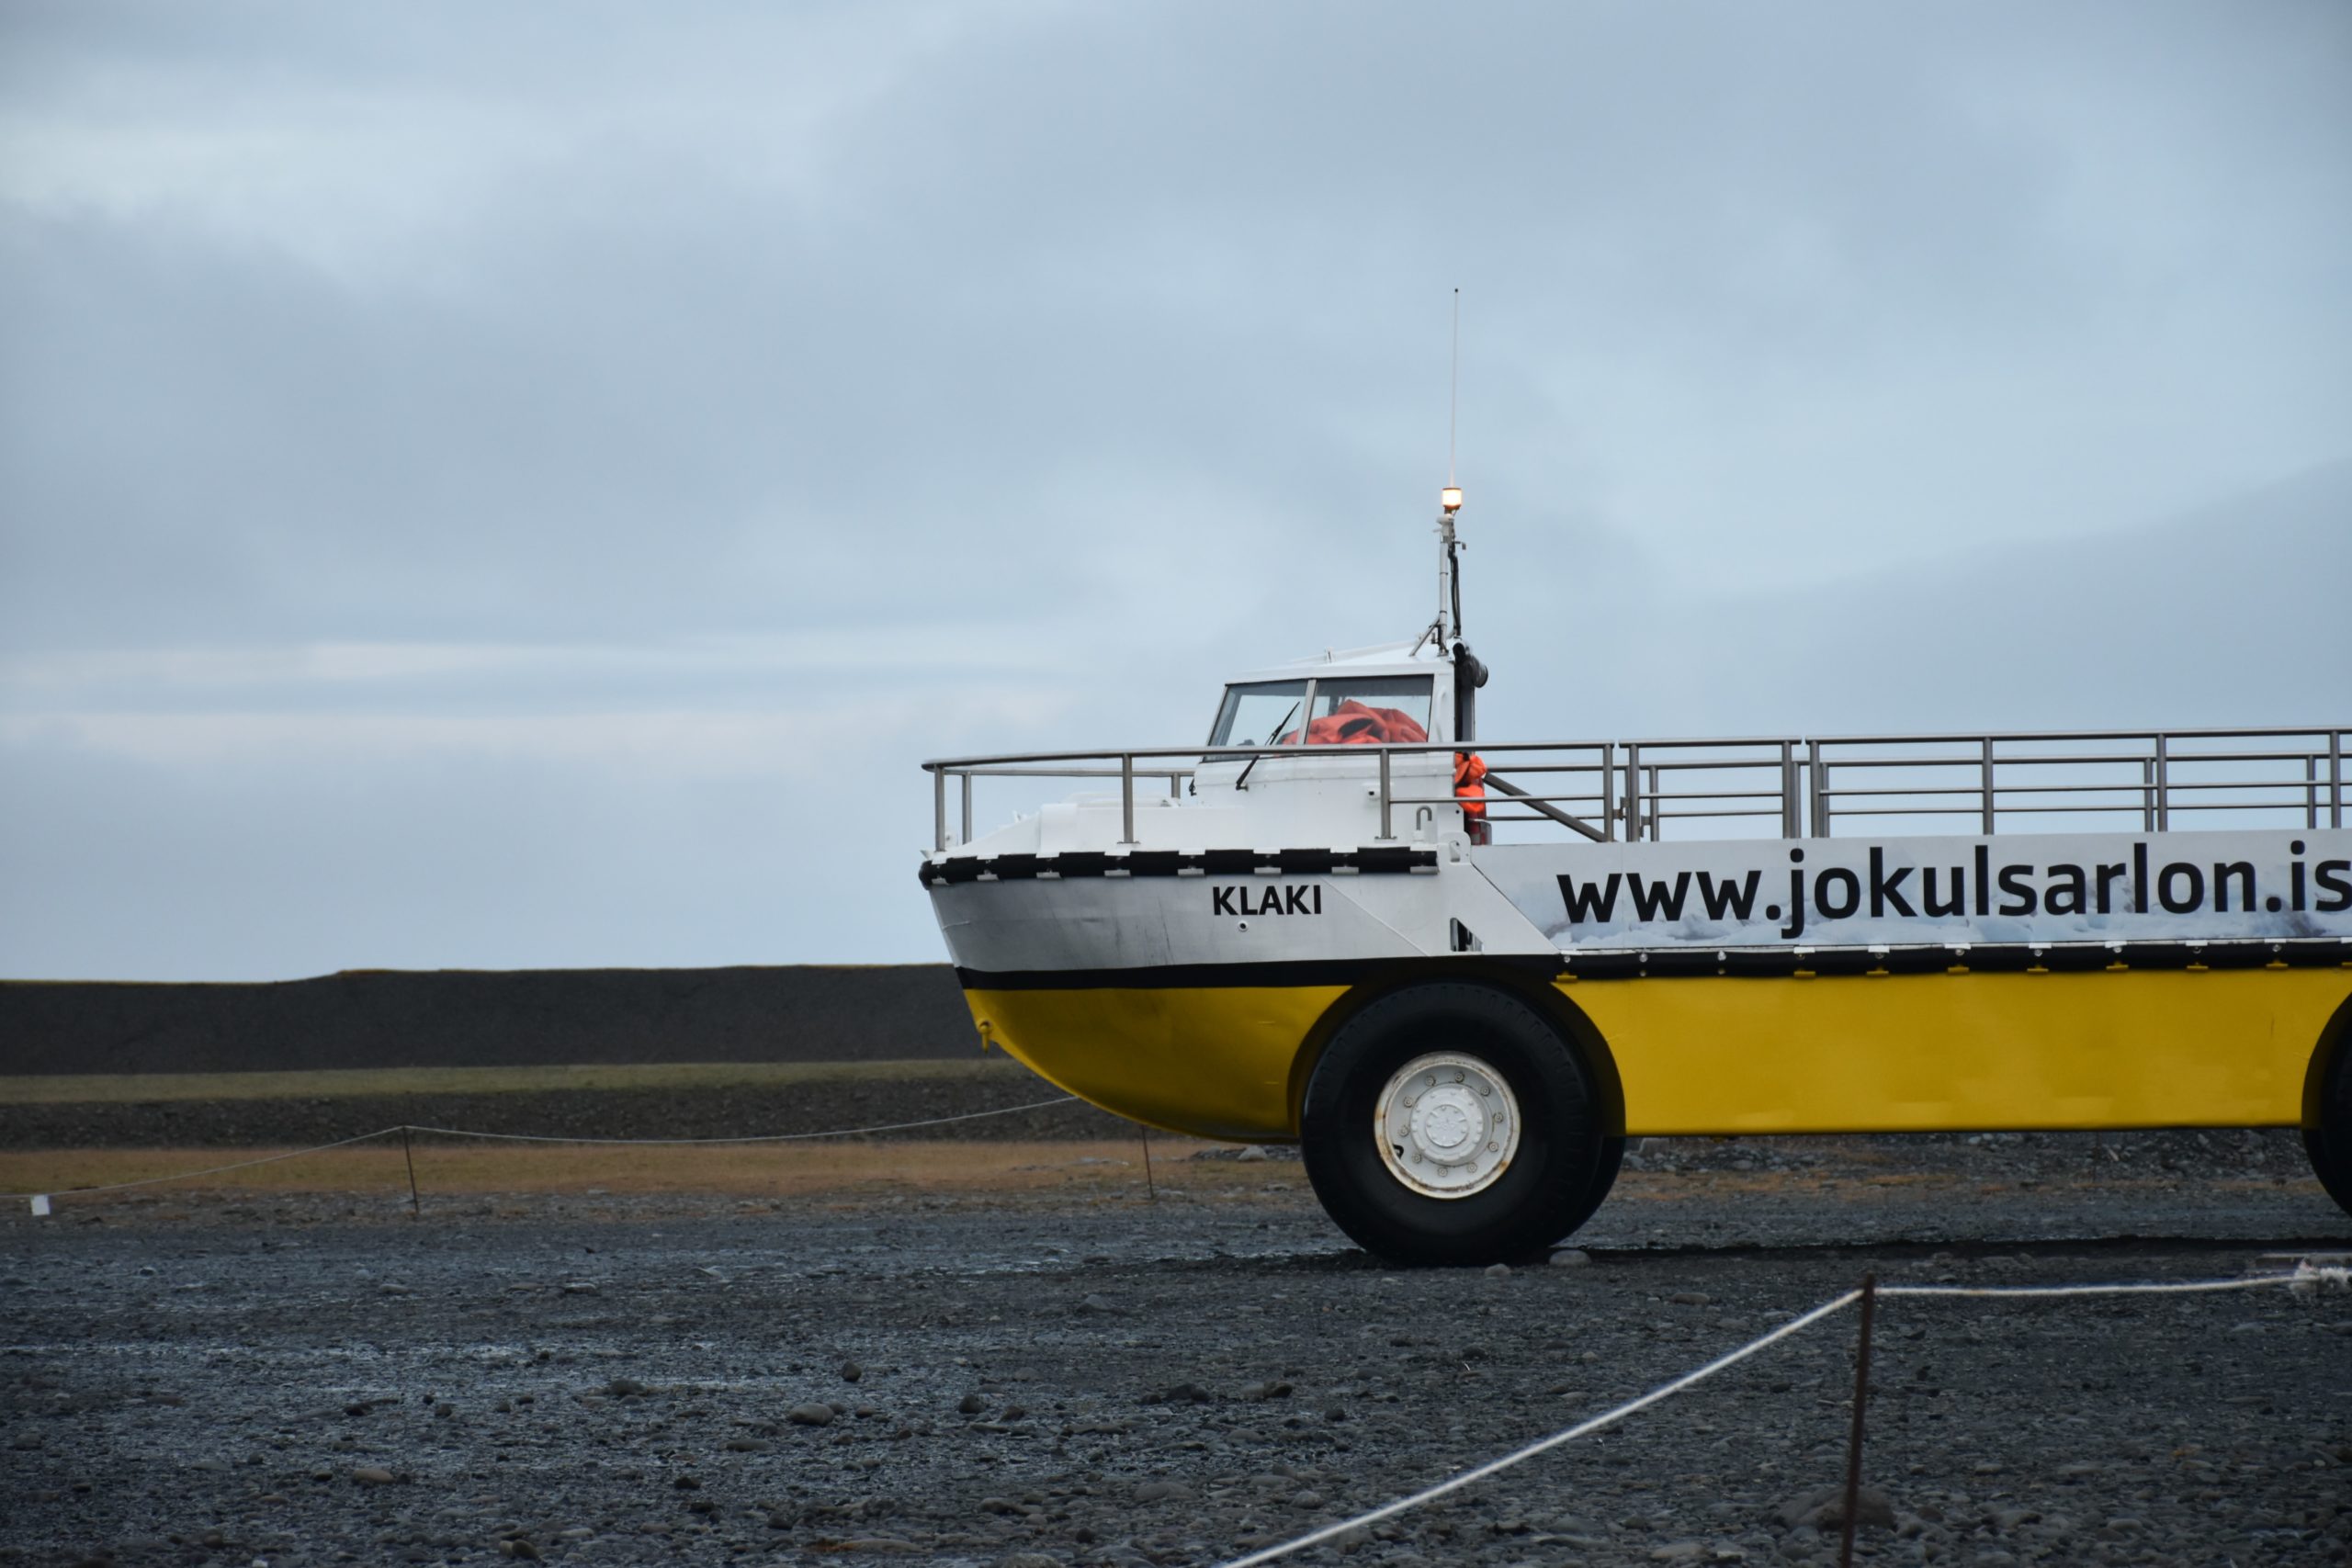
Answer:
[(1453, 390), (1448, 625)]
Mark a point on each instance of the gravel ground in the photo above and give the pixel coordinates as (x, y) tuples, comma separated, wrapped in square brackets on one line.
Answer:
[(1048, 1379)]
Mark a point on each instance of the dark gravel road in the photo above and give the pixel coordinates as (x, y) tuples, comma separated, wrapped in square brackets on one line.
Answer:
[(1032, 1381)]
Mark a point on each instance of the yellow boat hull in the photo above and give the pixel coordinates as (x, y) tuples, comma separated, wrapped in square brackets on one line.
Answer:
[(1717, 1054)]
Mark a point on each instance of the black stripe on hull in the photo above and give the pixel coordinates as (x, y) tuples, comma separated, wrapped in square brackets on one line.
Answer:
[(1775, 962), (1375, 860)]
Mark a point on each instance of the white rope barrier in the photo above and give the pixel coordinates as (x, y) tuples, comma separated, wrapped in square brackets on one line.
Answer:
[(41, 1200), (2305, 1277), (753, 1138), (2305, 1274), (1607, 1419)]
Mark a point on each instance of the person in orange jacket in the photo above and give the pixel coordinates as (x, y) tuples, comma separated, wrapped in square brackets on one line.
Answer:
[(1469, 773)]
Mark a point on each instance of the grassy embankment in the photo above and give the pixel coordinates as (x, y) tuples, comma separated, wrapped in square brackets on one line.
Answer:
[(773, 1171), (117, 1088)]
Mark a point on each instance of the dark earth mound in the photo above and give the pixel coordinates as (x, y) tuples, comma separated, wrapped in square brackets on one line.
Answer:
[(470, 1019)]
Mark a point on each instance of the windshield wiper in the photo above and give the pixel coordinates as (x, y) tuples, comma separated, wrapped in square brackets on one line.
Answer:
[(1243, 782)]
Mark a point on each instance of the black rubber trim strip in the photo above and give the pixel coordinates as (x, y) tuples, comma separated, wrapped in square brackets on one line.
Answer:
[(2056, 958), (1342, 972), (1372, 860), (1678, 961)]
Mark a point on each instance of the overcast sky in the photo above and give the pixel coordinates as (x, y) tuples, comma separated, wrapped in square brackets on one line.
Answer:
[(524, 485)]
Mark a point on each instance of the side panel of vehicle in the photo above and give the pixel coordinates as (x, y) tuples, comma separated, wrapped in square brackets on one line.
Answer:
[(1211, 1060), (2141, 1048)]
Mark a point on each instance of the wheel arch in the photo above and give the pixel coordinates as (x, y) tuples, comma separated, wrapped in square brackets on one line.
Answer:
[(1530, 983), (2334, 1040)]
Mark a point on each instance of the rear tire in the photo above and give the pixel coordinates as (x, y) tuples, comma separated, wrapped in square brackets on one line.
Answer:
[(2328, 1140), (1500, 1081)]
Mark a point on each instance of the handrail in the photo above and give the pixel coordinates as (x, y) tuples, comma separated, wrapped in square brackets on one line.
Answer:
[(1640, 786), (1542, 805)]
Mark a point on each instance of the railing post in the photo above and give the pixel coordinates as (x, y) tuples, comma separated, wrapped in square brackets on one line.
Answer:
[(1384, 833), (2311, 791), (967, 781), (2147, 795), (1126, 797), (1175, 785), (1817, 782), (1787, 790), (2336, 778), (1988, 786), (2164, 786), (1608, 790), (1634, 794), (1652, 799), (938, 808)]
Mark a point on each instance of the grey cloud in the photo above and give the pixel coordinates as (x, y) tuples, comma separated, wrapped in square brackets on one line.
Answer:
[(1089, 352)]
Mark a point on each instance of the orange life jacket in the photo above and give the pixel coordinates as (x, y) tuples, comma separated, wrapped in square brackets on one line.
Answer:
[(1469, 771), (1354, 723)]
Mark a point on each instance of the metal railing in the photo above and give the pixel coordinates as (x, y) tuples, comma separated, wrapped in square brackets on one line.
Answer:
[(1793, 786)]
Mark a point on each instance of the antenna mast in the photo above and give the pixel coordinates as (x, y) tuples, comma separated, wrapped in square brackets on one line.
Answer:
[(1448, 627), (1453, 390)]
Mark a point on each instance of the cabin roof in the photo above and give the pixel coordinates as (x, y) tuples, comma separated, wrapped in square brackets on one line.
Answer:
[(1381, 659)]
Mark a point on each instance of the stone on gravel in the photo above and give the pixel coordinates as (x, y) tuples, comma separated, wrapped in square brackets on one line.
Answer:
[(373, 1476), (852, 1372), (1162, 1492), (1571, 1257), (1182, 1393), (1498, 1271), (970, 1405), (1824, 1508), (810, 1415)]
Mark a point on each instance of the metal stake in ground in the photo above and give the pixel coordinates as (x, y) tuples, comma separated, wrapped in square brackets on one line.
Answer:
[(1854, 1440), (414, 1210), (1149, 1185)]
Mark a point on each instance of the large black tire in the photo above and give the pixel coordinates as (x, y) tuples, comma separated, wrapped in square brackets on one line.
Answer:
[(1562, 1168), (2329, 1139), (1604, 1176)]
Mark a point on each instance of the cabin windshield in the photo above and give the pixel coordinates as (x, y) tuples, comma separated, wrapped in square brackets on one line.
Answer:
[(1354, 711), (1369, 711), (1254, 714)]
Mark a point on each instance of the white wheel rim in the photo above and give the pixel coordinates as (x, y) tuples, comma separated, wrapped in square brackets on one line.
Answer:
[(1446, 1125)]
